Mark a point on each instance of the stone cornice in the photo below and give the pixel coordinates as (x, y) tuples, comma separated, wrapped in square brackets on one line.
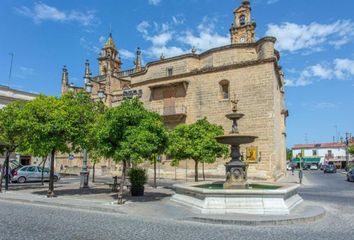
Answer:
[(206, 53), (208, 70)]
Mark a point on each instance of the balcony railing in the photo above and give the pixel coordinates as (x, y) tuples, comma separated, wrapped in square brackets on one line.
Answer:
[(126, 73), (171, 111)]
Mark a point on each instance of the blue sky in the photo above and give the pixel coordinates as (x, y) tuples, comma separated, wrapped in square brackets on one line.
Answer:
[(315, 38)]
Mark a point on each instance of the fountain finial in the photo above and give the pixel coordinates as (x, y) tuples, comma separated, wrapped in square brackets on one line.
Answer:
[(234, 104)]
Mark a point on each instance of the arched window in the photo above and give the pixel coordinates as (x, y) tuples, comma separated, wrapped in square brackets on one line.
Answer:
[(242, 20), (225, 89)]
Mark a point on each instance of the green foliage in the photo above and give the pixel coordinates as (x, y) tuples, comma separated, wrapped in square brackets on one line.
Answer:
[(289, 154), (197, 142), (137, 176), (351, 150), (349, 167), (45, 126), (130, 132), (11, 120), (81, 116)]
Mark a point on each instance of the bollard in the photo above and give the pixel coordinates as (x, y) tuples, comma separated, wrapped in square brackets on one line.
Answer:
[(301, 175)]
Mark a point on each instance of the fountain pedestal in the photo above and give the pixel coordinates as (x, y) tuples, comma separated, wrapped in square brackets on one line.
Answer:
[(236, 169), (237, 196)]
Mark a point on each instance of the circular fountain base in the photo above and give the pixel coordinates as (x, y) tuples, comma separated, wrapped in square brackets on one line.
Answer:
[(268, 201)]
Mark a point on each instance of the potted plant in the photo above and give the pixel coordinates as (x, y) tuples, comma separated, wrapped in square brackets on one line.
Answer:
[(138, 178)]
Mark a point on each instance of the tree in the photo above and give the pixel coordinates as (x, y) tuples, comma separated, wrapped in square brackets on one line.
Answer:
[(46, 130), (197, 142), (81, 114), (351, 150), (289, 154), (10, 134), (130, 133)]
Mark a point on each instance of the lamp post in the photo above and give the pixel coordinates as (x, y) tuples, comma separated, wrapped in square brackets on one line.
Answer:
[(84, 174), (347, 149)]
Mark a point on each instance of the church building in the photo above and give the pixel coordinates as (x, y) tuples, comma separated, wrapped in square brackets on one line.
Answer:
[(185, 88)]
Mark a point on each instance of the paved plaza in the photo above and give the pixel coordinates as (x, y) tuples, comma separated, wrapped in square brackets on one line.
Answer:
[(155, 217)]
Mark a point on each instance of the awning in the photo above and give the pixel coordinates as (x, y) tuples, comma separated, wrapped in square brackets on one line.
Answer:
[(306, 160)]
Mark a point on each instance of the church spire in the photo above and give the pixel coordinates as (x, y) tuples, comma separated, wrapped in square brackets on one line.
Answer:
[(243, 28), (109, 60), (137, 62), (88, 74), (64, 80), (110, 42)]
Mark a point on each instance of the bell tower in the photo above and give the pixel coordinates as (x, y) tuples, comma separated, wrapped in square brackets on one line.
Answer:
[(109, 60), (243, 28)]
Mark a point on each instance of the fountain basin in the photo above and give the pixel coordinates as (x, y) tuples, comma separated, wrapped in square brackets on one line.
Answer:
[(235, 115), (278, 201), (235, 139)]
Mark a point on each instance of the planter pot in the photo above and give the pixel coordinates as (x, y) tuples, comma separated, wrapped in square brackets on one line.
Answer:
[(137, 191)]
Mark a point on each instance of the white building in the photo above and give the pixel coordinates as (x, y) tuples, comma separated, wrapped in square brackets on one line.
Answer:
[(322, 153), (8, 95)]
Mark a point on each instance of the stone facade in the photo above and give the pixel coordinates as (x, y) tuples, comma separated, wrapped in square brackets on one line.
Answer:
[(189, 87)]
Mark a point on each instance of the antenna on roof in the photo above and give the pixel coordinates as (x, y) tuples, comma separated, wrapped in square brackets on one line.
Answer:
[(10, 73)]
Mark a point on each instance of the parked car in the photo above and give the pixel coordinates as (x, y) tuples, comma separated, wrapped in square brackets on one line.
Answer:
[(289, 167), (306, 167), (350, 175), (32, 174), (314, 167), (330, 169)]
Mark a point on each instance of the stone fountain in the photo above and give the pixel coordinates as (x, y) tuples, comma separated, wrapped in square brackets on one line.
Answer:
[(236, 170), (236, 194)]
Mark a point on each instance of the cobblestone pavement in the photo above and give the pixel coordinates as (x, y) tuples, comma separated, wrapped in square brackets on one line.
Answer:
[(331, 191)]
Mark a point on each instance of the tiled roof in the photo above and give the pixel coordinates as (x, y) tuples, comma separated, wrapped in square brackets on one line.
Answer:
[(320, 145)]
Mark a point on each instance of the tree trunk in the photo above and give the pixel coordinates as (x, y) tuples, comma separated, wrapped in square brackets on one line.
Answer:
[(120, 193), (7, 170), (155, 185), (2, 175), (203, 171), (51, 176), (44, 161), (93, 171), (196, 171)]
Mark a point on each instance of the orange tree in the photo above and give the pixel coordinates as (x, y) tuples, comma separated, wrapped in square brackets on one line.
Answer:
[(197, 142)]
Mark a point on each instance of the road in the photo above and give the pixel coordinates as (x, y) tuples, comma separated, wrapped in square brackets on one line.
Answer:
[(25, 221)]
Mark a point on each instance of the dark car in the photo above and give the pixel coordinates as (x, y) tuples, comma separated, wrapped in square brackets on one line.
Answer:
[(330, 169), (350, 175)]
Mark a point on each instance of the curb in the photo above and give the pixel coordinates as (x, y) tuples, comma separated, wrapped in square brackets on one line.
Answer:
[(60, 205), (300, 220)]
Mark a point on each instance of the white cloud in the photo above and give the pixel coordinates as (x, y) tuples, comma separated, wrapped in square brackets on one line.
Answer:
[(42, 12), (154, 2), (102, 40), (206, 37), (166, 40), (272, 1), (340, 69), (89, 45), (126, 54), (293, 37)]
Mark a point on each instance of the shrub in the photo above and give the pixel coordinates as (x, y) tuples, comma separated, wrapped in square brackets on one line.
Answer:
[(137, 176)]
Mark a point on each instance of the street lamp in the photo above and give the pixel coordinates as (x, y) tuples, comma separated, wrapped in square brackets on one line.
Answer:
[(88, 87), (101, 94)]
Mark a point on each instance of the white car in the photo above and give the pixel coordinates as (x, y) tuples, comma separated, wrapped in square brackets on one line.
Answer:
[(314, 167)]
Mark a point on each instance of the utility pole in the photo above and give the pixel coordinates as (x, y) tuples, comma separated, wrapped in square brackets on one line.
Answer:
[(347, 148), (10, 73)]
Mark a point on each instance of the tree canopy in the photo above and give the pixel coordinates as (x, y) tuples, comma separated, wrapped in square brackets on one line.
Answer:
[(10, 126), (196, 141), (131, 133)]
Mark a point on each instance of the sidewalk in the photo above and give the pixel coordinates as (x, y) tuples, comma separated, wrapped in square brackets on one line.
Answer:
[(155, 204)]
